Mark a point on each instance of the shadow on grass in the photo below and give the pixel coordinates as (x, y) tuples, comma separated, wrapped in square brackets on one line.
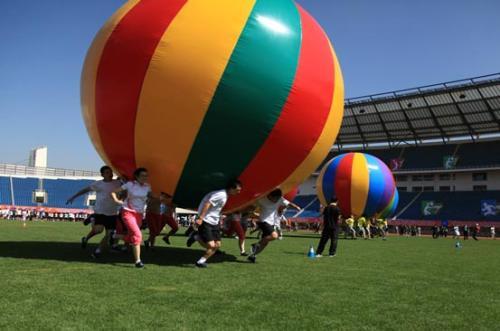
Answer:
[(72, 252)]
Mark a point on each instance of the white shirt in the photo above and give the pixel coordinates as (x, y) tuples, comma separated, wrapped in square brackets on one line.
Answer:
[(104, 203), (217, 200), (137, 196), (492, 229), (269, 210)]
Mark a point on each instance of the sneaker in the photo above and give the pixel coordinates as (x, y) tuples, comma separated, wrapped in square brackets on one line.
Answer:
[(191, 239), (147, 244), (166, 240), (201, 265), (252, 258), (244, 254), (139, 265), (84, 242), (95, 255), (332, 255), (319, 255), (280, 238)]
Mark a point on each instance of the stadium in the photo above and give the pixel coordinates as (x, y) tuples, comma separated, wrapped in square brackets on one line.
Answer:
[(440, 141), (303, 207)]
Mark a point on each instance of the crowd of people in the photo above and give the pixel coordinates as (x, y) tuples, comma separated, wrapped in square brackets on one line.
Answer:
[(123, 208), (34, 214)]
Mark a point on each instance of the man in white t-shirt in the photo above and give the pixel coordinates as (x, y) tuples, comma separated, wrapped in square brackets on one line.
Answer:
[(492, 232), (268, 217), (209, 213), (456, 232), (105, 209)]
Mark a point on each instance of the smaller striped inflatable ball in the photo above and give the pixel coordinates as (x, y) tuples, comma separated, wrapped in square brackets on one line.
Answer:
[(362, 183), (390, 210)]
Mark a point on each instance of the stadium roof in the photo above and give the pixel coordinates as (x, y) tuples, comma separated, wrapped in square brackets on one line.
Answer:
[(465, 109)]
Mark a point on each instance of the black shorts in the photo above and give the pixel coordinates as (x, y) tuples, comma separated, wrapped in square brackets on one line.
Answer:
[(209, 232), (109, 222), (266, 229)]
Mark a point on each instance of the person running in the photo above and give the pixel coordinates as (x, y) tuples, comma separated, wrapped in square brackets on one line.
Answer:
[(466, 232), (350, 227), (268, 217), (367, 225), (361, 226), (160, 212), (381, 225), (208, 221), (492, 233), (105, 208), (475, 231), (138, 192), (234, 226), (456, 232), (331, 219)]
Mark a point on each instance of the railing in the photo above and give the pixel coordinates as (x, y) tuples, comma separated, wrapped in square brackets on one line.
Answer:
[(21, 170)]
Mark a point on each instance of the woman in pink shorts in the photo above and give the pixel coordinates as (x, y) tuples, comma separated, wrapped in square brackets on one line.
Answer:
[(133, 207)]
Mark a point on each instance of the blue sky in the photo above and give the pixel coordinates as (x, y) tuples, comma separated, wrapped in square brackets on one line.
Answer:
[(382, 45)]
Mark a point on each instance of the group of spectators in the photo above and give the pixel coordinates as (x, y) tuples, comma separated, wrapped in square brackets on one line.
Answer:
[(32, 214)]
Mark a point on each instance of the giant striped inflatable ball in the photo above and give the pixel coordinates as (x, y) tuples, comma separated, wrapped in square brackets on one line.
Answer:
[(203, 91), (390, 209), (362, 183)]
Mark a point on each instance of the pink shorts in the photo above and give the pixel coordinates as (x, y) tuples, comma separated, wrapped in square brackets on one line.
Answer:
[(133, 222)]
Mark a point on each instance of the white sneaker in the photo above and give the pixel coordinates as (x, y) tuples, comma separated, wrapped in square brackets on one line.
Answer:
[(319, 255), (280, 238)]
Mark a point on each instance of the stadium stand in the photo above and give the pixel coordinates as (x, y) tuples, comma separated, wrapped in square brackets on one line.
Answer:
[(5, 194), (58, 191)]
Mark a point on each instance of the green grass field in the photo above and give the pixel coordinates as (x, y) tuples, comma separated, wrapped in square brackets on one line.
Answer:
[(49, 282)]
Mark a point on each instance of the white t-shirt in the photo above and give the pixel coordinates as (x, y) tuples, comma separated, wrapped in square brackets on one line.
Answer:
[(492, 229), (104, 203), (217, 201), (269, 210), (457, 231), (137, 196)]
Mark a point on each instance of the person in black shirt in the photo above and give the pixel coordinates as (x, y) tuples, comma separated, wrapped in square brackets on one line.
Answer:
[(331, 215)]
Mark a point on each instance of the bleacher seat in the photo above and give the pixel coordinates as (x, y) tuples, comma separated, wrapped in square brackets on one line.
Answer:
[(5, 194), (483, 154), (59, 190)]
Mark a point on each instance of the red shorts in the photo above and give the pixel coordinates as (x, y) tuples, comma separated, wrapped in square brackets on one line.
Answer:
[(235, 227), (156, 222)]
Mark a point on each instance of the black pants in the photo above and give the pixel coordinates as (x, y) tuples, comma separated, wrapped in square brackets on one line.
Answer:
[(333, 235)]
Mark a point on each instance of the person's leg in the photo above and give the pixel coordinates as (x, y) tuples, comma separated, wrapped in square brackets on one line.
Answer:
[(172, 223), (363, 232), (322, 242), (94, 230), (241, 236), (133, 222), (334, 236), (259, 247), (154, 226)]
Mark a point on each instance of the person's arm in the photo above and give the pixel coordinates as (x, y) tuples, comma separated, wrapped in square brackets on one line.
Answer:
[(77, 194), (114, 195), (291, 204), (203, 213)]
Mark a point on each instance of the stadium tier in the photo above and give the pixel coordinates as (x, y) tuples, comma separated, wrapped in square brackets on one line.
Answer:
[(484, 154), (57, 191), (453, 206)]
